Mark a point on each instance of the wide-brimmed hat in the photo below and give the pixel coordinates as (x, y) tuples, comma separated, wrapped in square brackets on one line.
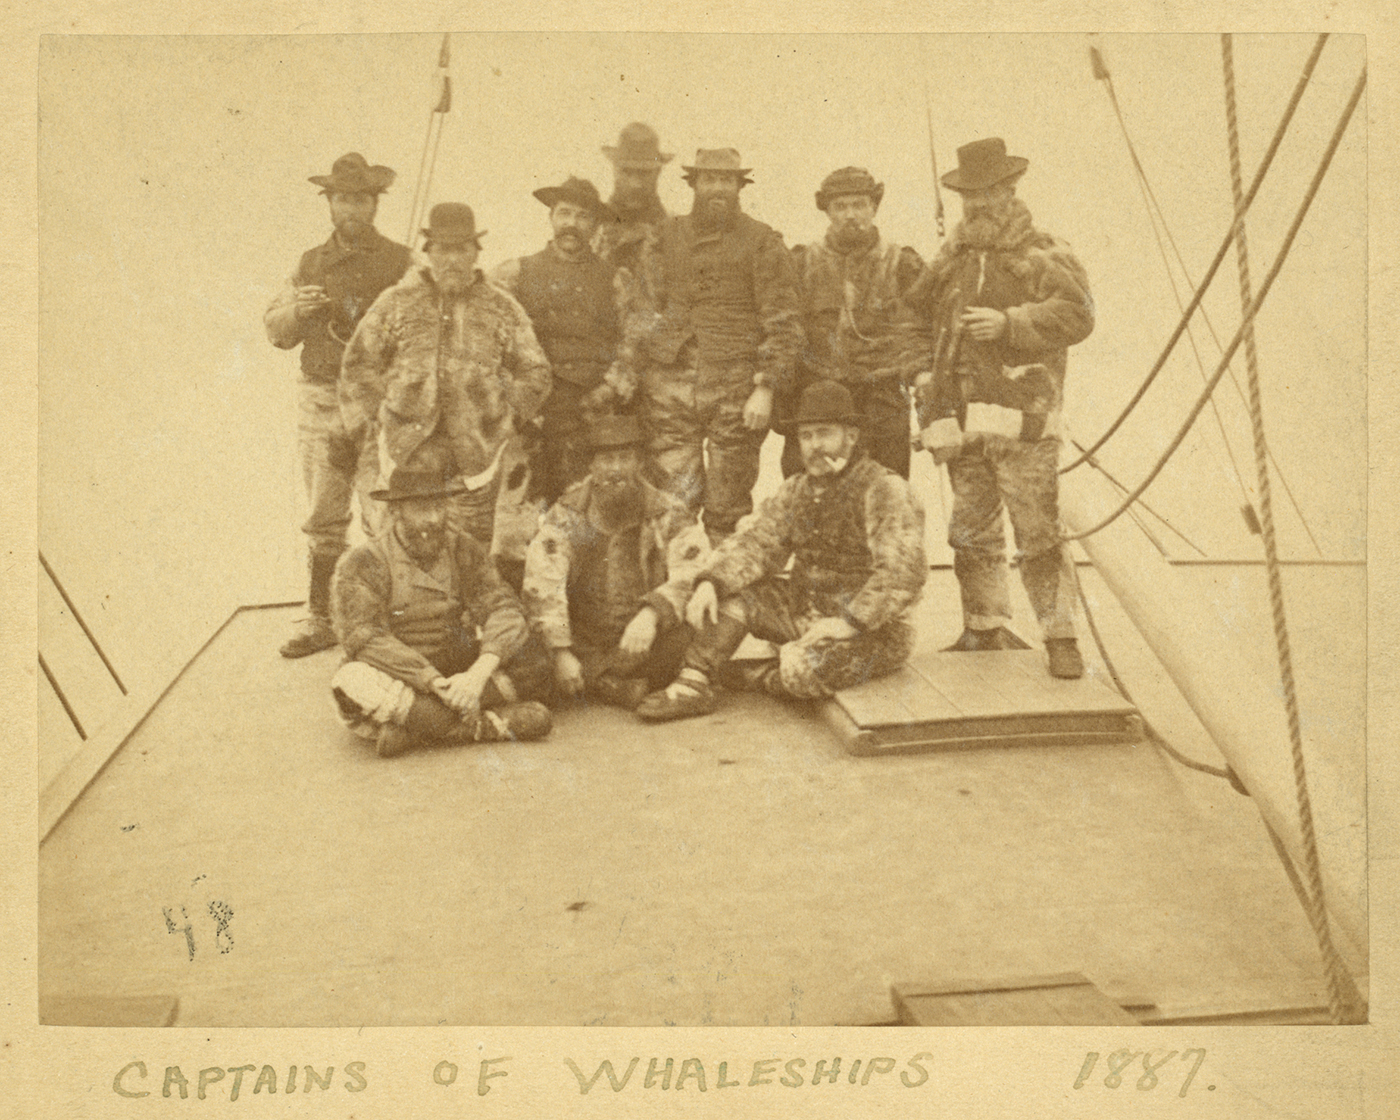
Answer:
[(405, 484), (716, 159), (637, 146), (580, 192), (352, 174), (983, 164), (849, 180), (824, 402), (453, 223), (615, 431)]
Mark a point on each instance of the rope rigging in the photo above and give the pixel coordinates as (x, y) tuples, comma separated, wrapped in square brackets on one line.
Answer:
[(1250, 311), (1337, 983), (1093, 462), (1156, 216), (1209, 276)]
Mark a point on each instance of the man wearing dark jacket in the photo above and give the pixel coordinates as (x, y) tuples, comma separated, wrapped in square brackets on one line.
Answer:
[(857, 327), (841, 615), (1006, 302), (332, 287), (570, 295), (721, 340), (436, 644)]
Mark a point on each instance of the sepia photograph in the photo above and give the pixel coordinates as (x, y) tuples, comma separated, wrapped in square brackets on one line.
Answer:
[(702, 530)]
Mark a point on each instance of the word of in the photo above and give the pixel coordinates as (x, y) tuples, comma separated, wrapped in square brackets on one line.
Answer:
[(691, 1071), (221, 912), (445, 1073), (1120, 1061), (133, 1073)]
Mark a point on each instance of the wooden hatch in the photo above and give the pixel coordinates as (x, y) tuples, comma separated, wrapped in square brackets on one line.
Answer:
[(1002, 698)]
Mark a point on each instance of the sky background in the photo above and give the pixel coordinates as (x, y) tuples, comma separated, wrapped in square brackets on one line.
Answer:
[(174, 202)]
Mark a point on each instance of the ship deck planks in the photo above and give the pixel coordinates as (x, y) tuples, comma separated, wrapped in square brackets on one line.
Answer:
[(1003, 698), (737, 869)]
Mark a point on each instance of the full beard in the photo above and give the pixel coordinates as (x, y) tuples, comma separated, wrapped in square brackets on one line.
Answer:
[(423, 546), (452, 283), (617, 498), (353, 230), (983, 231), (711, 212)]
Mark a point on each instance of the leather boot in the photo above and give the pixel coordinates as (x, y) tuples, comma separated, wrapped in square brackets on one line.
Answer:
[(1065, 661), (315, 633)]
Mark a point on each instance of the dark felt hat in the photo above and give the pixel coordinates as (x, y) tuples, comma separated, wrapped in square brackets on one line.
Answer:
[(404, 484), (824, 402), (716, 159), (453, 223), (637, 146), (615, 431), (352, 174), (983, 164), (578, 191), (849, 180)]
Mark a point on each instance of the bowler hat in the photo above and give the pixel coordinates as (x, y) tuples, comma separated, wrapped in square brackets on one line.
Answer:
[(824, 402), (578, 191), (453, 223), (983, 164), (637, 146), (716, 159), (405, 484), (352, 174), (849, 180), (614, 431)]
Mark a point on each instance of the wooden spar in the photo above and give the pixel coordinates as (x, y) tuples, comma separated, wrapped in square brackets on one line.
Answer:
[(1200, 655)]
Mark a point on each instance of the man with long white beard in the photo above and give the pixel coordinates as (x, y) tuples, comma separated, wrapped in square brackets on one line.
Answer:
[(1006, 302), (318, 309), (858, 328), (722, 341), (841, 615), (437, 647), (608, 576), (446, 356)]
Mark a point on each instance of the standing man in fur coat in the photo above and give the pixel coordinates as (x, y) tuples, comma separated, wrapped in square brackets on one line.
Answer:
[(1006, 301)]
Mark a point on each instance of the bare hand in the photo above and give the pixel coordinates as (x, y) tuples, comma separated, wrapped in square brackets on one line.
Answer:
[(310, 299), (568, 673), (829, 629), (985, 324), (758, 409), (703, 605), (640, 632), (463, 691)]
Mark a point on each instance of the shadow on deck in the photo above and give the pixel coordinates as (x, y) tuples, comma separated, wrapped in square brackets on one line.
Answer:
[(245, 854)]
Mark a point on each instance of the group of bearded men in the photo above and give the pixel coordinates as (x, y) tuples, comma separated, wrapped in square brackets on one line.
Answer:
[(555, 462)]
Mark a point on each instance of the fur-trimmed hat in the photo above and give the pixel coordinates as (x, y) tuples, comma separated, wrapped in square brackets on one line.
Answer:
[(849, 180)]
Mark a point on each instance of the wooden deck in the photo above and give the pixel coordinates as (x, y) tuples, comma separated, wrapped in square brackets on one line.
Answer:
[(738, 869)]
